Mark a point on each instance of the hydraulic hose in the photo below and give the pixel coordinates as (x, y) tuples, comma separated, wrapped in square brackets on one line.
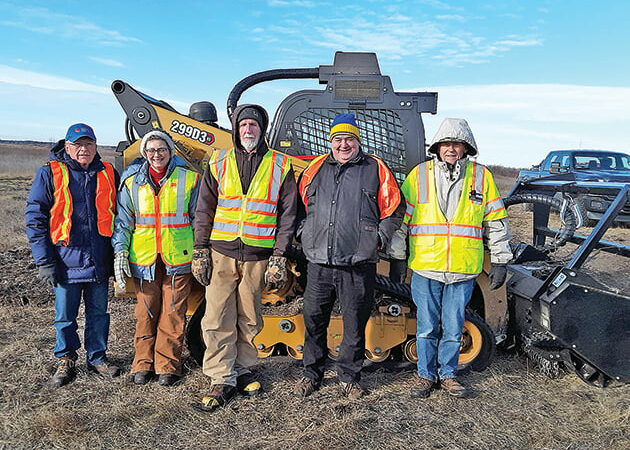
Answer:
[(267, 75), (568, 218)]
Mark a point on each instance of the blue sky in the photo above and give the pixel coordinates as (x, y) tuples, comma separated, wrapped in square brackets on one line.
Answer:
[(528, 76)]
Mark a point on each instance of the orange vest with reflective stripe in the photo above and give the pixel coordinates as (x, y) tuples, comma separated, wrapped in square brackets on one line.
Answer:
[(61, 211), (250, 216), (456, 245)]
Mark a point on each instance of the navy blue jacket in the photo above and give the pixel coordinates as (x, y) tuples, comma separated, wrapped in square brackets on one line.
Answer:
[(88, 256)]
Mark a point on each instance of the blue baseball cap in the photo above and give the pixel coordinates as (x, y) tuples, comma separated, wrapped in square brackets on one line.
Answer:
[(79, 130)]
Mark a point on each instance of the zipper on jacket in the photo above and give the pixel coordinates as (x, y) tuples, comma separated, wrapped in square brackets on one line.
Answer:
[(158, 225)]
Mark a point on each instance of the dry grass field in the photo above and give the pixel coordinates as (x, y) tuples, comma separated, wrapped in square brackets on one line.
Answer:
[(515, 406)]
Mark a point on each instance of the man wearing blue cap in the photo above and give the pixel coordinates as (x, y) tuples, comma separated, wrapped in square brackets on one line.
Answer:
[(352, 207), (69, 222)]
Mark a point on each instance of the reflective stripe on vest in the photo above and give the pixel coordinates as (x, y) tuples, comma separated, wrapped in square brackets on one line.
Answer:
[(456, 245), (162, 221), (61, 211), (251, 217)]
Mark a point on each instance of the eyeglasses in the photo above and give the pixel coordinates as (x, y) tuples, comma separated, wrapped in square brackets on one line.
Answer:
[(153, 151), (88, 145)]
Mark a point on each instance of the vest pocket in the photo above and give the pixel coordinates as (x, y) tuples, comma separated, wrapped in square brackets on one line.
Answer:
[(369, 205), (422, 241), (473, 243), (368, 239)]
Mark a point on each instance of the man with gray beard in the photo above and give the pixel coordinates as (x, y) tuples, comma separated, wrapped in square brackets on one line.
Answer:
[(244, 223)]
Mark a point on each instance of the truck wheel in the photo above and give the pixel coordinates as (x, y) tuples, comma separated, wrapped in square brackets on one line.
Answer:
[(478, 344), (194, 338), (586, 222)]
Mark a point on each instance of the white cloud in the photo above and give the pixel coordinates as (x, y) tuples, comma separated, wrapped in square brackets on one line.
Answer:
[(47, 21), (397, 36), (292, 3), (11, 75), (517, 124), (106, 62), (453, 17)]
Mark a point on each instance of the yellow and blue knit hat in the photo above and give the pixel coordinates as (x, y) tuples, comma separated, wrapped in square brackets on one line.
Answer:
[(345, 124)]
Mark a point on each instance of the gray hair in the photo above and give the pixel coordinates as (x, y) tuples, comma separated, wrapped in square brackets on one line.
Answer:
[(153, 135)]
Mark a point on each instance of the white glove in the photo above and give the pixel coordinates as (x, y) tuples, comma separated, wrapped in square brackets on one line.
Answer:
[(121, 268)]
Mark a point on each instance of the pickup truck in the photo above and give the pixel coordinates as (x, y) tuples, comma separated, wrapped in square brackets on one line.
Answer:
[(585, 165)]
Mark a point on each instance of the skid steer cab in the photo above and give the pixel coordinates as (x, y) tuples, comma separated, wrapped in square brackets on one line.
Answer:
[(391, 127)]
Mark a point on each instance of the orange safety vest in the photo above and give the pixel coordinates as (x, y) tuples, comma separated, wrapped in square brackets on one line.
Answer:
[(61, 211)]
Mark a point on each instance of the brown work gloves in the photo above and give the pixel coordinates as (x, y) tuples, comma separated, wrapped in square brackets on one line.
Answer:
[(276, 274), (202, 266), (497, 275), (121, 268)]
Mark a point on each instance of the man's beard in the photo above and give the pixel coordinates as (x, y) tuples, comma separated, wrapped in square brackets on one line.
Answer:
[(249, 142)]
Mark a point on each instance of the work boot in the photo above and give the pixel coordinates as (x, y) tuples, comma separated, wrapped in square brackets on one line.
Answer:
[(248, 385), (142, 377), (220, 395), (353, 390), (305, 387), (66, 370), (105, 369), (421, 388), (168, 379), (455, 388)]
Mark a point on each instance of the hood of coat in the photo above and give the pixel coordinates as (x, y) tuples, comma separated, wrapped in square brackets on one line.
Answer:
[(140, 166), (236, 140), (58, 153), (454, 130)]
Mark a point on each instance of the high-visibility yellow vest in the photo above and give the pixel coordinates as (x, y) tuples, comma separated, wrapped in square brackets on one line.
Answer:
[(61, 211), (456, 245), (163, 221), (251, 216)]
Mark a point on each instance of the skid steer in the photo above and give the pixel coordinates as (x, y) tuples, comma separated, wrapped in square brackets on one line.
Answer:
[(391, 128)]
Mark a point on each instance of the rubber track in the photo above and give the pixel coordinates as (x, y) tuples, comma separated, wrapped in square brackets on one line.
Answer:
[(401, 291)]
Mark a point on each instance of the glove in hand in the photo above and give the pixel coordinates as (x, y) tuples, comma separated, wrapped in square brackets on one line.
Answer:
[(276, 275), (202, 266), (121, 268), (497, 275), (48, 273)]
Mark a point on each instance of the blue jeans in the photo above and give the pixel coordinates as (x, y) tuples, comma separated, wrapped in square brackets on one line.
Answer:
[(439, 320), (67, 301)]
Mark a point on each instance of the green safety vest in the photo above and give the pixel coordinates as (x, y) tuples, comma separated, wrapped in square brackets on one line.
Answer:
[(456, 245), (162, 221), (252, 216)]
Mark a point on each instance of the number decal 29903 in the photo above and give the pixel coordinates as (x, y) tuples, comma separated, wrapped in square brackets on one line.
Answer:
[(192, 132)]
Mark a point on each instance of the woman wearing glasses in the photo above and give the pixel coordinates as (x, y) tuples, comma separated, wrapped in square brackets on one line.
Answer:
[(153, 242)]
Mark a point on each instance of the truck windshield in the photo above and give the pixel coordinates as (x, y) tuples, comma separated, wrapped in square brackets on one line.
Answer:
[(602, 161)]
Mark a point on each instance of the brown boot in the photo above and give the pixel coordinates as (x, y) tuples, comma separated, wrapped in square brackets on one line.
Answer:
[(455, 388), (422, 388), (66, 370), (352, 390), (105, 369), (305, 387), (220, 395)]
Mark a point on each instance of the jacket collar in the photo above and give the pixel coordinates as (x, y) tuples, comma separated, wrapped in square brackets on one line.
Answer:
[(357, 159)]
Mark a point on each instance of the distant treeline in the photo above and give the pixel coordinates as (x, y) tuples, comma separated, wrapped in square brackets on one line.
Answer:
[(45, 144), (503, 171)]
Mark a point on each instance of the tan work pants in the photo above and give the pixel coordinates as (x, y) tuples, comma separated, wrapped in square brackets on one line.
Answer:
[(160, 321), (233, 317)]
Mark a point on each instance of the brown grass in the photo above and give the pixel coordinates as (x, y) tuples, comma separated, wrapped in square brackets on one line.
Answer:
[(515, 407)]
